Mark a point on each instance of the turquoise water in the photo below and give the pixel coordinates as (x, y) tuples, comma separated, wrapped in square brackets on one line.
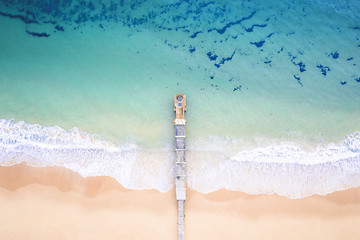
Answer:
[(272, 91)]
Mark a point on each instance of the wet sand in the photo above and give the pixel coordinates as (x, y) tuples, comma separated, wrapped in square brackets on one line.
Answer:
[(56, 203)]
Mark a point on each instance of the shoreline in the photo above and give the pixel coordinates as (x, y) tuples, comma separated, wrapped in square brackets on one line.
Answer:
[(57, 203)]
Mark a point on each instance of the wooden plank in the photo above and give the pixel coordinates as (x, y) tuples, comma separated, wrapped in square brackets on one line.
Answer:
[(180, 106), (180, 160), (181, 219)]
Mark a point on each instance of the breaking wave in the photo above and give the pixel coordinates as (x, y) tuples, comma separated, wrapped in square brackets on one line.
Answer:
[(283, 169)]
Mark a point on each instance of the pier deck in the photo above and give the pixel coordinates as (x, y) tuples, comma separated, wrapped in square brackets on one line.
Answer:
[(180, 160)]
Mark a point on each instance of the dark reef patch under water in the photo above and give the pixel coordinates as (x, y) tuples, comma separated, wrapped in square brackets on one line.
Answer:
[(230, 24), (258, 44), (223, 60), (229, 29), (59, 28), (25, 19), (298, 79), (323, 69), (334, 55), (212, 56), (35, 34), (251, 29)]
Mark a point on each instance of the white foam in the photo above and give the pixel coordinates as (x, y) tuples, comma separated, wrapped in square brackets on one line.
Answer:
[(291, 153), (89, 155), (288, 179), (285, 168)]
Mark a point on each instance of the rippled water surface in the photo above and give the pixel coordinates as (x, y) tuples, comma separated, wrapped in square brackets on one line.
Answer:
[(273, 91)]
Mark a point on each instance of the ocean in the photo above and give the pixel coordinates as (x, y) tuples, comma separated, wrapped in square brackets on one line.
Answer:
[(273, 91)]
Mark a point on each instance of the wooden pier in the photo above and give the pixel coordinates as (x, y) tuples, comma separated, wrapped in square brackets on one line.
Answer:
[(180, 164)]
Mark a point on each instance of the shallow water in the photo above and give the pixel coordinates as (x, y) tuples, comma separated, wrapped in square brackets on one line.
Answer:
[(272, 89)]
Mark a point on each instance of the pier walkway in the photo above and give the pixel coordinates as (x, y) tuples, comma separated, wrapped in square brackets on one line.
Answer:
[(180, 161)]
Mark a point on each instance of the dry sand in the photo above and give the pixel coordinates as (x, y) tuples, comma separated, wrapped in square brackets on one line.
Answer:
[(56, 203)]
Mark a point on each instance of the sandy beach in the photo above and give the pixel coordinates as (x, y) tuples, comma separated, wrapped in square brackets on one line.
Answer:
[(269, 103), (56, 203)]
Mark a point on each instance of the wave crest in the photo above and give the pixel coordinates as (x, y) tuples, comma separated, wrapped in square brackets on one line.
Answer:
[(352, 141), (87, 154), (215, 163)]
